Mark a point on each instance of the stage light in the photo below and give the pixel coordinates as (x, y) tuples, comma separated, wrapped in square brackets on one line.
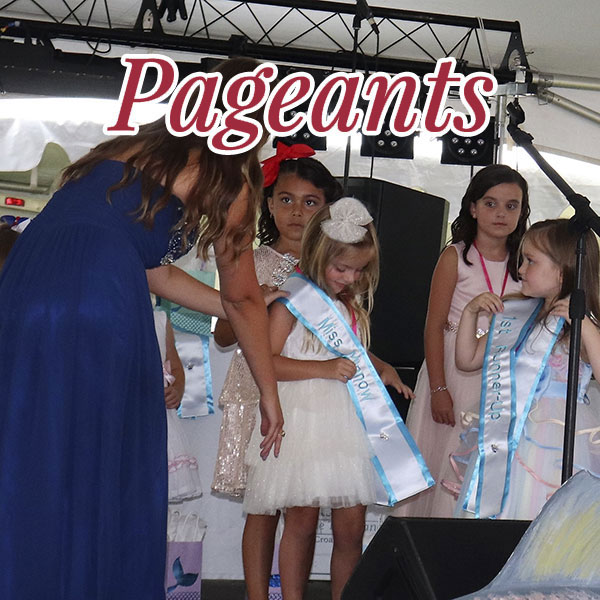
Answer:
[(476, 150), (387, 145), (303, 135)]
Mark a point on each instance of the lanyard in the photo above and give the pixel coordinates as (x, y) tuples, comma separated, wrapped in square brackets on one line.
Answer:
[(487, 276)]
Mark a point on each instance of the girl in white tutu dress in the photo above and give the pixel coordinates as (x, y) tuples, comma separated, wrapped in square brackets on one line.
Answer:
[(325, 457), (184, 480)]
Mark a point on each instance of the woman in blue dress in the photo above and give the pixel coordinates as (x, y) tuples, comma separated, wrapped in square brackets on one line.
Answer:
[(83, 479)]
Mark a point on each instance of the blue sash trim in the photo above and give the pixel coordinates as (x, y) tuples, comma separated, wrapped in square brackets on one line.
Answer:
[(358, 354), (521, 369)]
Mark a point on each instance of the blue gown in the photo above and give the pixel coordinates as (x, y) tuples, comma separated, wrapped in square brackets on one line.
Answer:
[(83, 478)]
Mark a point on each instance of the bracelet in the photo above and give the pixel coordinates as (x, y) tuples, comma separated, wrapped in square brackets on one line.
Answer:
[(441, 388)]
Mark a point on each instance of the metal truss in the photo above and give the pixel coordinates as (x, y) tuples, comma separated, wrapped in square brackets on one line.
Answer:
[(311, 33)]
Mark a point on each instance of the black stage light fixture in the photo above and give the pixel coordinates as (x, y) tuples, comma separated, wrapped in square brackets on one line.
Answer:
[(476, 150), (386, 144), (304, 135)]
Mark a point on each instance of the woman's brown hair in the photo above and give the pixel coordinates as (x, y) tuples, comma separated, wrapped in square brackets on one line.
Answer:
[(158, 158)]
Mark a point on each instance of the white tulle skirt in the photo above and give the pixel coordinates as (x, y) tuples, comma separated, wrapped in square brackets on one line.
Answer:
[(184, 480), (325, 457)]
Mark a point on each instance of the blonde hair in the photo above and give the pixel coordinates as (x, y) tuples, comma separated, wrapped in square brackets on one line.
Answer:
[(557, 239), (318, 251), (158, 158)]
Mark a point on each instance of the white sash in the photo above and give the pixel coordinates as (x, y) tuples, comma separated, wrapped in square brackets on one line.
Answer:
[(515, 357), (401, 469), (194, 353)]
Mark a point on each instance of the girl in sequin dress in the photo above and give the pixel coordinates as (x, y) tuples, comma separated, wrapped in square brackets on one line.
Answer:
[(296, 186), (483, 257)]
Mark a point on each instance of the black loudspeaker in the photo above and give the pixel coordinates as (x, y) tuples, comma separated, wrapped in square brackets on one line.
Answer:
[(432, 559), (411, 227)]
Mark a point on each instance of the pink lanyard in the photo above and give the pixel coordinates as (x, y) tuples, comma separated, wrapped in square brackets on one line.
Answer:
[(487, 276), (354, 322)]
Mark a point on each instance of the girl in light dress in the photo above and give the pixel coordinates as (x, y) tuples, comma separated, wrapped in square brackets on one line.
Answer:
[(537, 428), (184, 480), (325, 458), (483, 256), (296, 186)]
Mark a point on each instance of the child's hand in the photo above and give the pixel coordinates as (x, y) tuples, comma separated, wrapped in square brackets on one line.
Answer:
[(442, 408), (271, 293), (389, 377), (561, 309), (172, 397), (341, 369), (486, 302)]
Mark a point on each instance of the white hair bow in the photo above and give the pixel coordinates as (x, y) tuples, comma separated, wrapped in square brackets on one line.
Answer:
[(347, 223)]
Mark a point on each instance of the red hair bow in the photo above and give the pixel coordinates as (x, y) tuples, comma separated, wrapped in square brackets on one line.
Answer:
[(270, 166)]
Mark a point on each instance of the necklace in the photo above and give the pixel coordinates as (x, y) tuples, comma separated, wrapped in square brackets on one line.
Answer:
[(487, 276)]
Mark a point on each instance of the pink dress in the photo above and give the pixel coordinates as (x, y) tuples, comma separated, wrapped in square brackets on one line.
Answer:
[(436, 441)]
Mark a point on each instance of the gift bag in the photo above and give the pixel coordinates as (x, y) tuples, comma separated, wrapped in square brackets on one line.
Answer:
[(183, 576)]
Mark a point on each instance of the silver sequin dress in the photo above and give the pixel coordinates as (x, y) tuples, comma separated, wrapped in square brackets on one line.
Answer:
[(240, 396)]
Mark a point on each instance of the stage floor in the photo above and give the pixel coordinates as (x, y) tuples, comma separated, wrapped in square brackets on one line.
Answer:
[(233, 589)]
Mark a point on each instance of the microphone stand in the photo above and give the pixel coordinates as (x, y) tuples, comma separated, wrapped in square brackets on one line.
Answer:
[(362, 12), (583, 220), (356, 28)]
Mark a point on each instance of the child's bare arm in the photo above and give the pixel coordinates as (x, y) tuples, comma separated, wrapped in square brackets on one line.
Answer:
[(174, 392), (590, 336), (470, 351), (443, 283), (389, 376), (281, 322)]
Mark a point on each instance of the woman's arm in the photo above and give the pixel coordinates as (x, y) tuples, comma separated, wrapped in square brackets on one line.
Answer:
[(224, 334), (443, 283), (174, 284), (470, 351), (174, 392), (291, 369), (247, 314)]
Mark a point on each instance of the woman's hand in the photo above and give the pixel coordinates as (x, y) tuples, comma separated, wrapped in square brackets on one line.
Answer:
[(486, 302), (271, 425), (442, 408)]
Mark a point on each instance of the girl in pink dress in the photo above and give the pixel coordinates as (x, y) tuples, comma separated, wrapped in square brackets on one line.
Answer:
[(483, 257)]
